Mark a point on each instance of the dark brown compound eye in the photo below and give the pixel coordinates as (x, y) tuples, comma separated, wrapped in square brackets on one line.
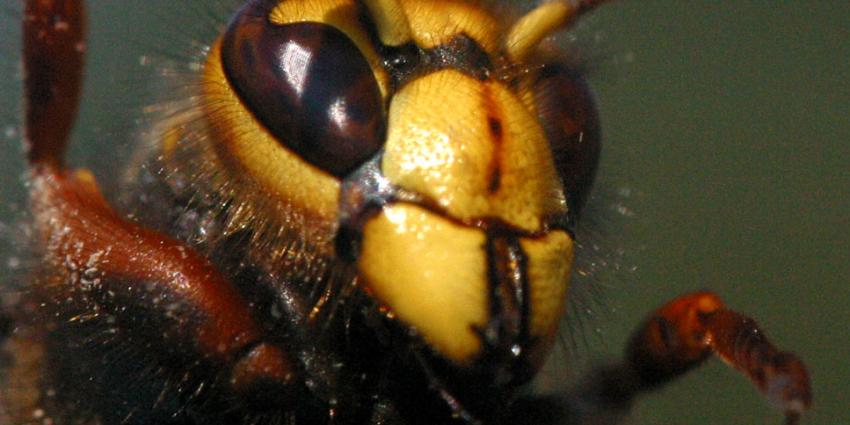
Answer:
[(569, 117), (309, 84)]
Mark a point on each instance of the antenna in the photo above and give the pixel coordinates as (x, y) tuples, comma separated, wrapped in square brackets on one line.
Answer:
[(525, 35), (389, 16)]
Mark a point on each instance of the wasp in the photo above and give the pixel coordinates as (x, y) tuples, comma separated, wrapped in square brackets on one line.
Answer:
[(365, 213)]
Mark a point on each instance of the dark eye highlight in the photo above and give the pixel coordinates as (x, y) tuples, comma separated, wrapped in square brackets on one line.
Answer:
[(311, 87), (568, 113)]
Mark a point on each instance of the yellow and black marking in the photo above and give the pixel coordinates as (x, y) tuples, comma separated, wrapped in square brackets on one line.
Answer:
[(363, 214), (421, 143), (489, 241)]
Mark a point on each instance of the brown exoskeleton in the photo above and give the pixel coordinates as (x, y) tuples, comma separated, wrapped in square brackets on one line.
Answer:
[(365, 215)]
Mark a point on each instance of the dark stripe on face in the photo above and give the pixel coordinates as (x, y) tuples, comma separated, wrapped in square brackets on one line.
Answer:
[(494, 125), (367, 191)]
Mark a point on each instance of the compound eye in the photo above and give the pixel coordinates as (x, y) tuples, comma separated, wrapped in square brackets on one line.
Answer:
[(309, 85), (567, 111)]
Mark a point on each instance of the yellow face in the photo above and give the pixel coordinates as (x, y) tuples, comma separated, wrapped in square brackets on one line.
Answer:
[(419, 143)]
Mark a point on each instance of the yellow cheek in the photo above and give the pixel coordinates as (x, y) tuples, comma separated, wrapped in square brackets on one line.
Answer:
[(550, 260), (432, 273)]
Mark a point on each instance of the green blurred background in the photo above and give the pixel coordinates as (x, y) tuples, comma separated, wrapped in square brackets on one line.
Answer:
[(725, 167)]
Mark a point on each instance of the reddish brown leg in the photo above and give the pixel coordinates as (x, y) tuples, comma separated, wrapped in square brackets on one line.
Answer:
[(683, 333), (678, 337), (101, 264), (53, 64)]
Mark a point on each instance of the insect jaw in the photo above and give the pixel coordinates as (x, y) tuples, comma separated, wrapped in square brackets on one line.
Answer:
[(459, 229), (484, 296)]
